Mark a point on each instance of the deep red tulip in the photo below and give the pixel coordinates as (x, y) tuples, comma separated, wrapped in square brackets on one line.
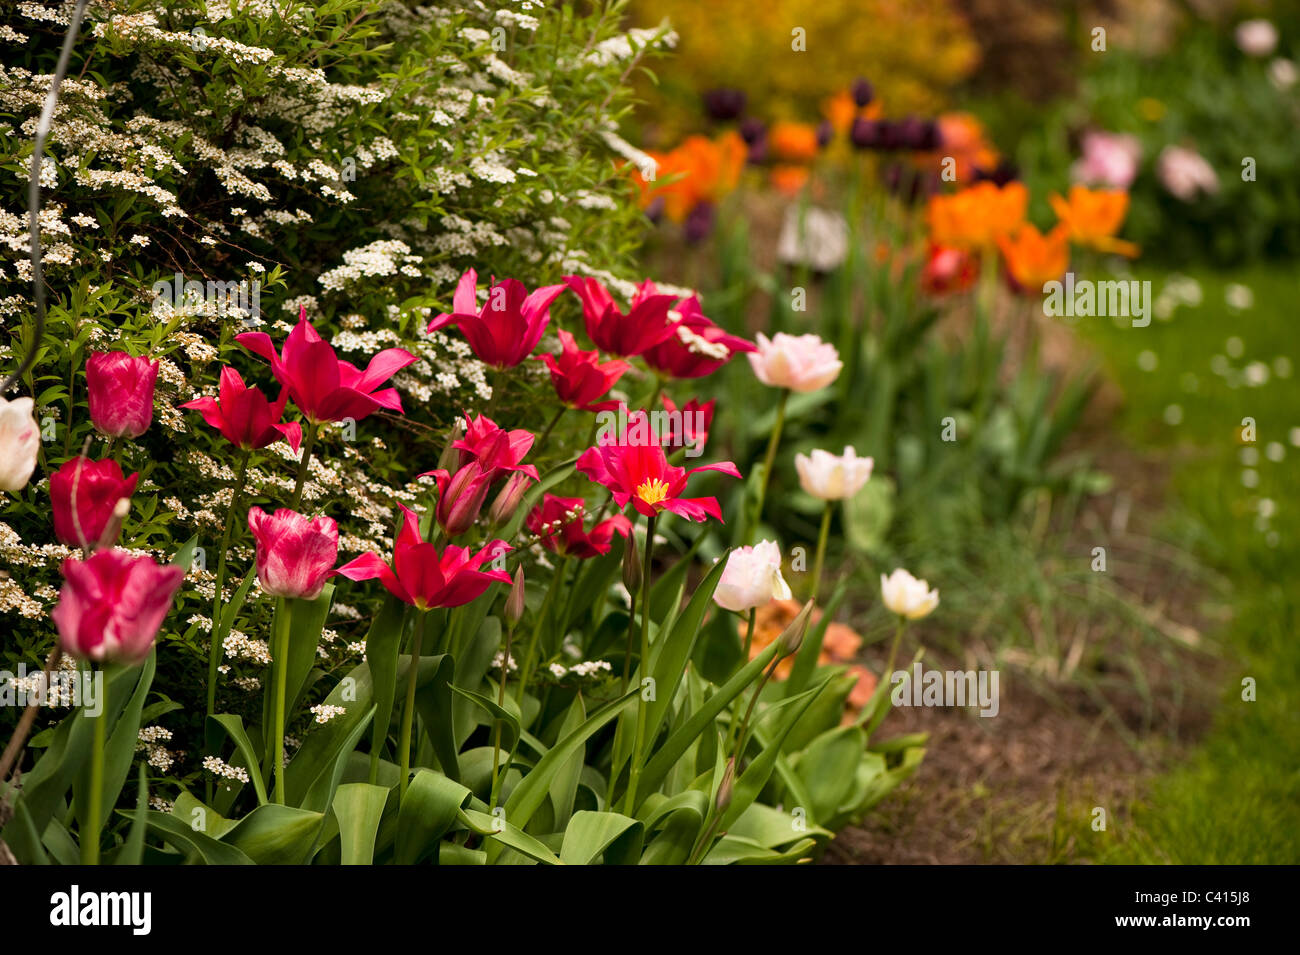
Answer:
[(579, 377), (509, 325), (324, 387), (640, 473), (112, 604), (558, 522), (83, 494), (645, 325), (295, 554), (698, 347), (460, 497), (244, 416), (119, 389), (495, 449), (688, 427), (422, 577)]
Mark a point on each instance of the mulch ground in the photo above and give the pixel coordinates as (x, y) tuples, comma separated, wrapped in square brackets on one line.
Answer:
[(1021, 787)]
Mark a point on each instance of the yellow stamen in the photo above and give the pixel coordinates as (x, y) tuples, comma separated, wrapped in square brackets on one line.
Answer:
[(653, 491)]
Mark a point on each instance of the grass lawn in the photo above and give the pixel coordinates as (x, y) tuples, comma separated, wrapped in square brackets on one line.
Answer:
[(1190, 379)]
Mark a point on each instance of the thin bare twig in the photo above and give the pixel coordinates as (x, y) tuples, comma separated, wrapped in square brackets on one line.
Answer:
[(34, 195)]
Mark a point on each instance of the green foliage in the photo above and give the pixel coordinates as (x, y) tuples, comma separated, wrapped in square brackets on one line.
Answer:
[(1199, 92)]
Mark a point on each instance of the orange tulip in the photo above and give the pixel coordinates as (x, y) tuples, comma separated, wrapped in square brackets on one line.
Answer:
[(698, 170), (841, 110), (1093, 216), (1033, 258), (788, 179), (975, 217), (793, 142)]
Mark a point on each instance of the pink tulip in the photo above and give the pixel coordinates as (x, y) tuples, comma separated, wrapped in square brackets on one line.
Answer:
[(324, 387), (579, 377), (797, 362), (83, 494), (461, 496), (112, 605), (244, 416), (509, 325), (120, 392), (1109, 159), (1185, 173), (424, 578), (645, 325), (295, 554)]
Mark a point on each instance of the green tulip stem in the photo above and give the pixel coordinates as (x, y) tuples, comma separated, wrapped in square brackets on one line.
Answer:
[(408, 710), (526, 672), (281, 660), (769, 461), (749, 636), (742, 736), (541, 442), (820, 559), (308, 442), (643, 665), (95, 798), (893, 649), (501, 702), (214, 653)]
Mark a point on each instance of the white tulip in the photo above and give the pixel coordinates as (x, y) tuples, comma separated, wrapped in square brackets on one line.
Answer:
[(906, 596), (832, 478), (20, 438), (752, 578)]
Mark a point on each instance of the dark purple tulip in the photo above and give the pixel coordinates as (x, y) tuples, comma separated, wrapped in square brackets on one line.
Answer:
[(699, 223), (1003, 173), (908, 184), (911, 133), (863, 93), (890, 133), (752, 130), (757, 154), (825, 133), (724, 104), (865, 133), (930, 138), (655, 210)]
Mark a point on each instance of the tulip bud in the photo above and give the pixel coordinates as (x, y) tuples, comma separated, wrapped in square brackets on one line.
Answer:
[(83, 496), (791, 638), (20, 438), (111, 605), (451, 456), (120, 390), (631, 565), (726, 786), (461, 497), (508, 498), (515, 600), (295, 554)]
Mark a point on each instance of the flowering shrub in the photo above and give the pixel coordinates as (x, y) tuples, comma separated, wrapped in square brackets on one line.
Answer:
[(384, 637), (215, 168)]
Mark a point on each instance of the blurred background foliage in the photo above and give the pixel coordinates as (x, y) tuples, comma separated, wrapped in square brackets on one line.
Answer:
[(915, 52)]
